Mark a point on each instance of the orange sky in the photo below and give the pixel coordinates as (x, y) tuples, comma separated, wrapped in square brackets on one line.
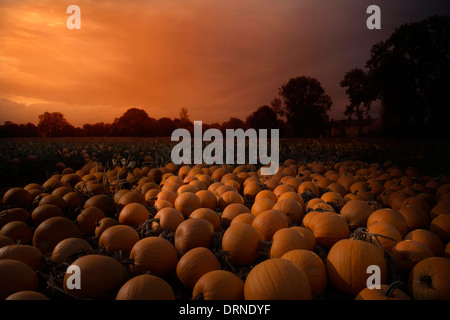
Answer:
[(218, 58)]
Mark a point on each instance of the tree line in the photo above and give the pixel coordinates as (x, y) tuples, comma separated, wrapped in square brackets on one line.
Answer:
[(408, 75)]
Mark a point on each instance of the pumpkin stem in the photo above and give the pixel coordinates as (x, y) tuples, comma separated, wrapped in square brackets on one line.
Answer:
[(394, 285)]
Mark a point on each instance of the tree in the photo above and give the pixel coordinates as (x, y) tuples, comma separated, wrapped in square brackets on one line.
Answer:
[(233, 123), (53, 124), (135, 123), (409, 74), (263, 118), (304, 104)]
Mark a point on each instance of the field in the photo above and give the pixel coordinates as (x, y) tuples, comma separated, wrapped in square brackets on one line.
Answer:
[(331, 190)]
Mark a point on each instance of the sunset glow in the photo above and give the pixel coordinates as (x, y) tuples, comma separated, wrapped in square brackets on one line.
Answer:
[(219, 59)]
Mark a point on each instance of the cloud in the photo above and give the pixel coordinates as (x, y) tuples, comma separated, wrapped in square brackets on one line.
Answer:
[(218, 58)]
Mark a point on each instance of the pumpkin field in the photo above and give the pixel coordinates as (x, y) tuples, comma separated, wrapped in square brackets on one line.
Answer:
[(116, 219)]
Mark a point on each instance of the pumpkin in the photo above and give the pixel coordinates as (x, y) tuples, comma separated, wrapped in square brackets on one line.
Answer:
[(262, 204), (441, 226), (154, 254), (385, 292), (16, 276), (385, 235), (294, 196), (195, 263), (45, 211), (415, 217), (27, 295), (88, 219), (219, 285), (168, 196), (69, 247), (356, 212), (439, 209), (207, 199), (430, 279), (396, 199), (291, 209), (232, 211), (104, 224), (334, 199), (282, 188), (168, 218), (269, 222), (118, 238), (429, 238), (192, 233), (28, 254), (313, 267), (389, 216), (145, 287), (19, 231), (229, 197), (347, 263), (328, 228), (131, 197), (103, 202), (17, 198), (186, 203), (133, 214), (100, 277), (55, 200), (53, 230), (308, 234), (285, 240), (277, 279), (5, 241), (308, 189), (209, 215), (14, 214), (266, 194), (409, 252), (187, 188), (74, 200), (252, 189), (245, 218), (241, 241)]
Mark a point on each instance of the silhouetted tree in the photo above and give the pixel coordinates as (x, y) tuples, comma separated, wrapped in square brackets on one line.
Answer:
[(263, 118), (233, 123), (409, 74), (164, 127), (135, 123), (304, 104), (53, 124)]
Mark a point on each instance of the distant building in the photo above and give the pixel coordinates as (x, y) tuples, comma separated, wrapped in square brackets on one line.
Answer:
[(353, 128)]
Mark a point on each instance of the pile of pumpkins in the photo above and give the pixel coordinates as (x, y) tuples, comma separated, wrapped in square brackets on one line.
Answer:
[(228, 233)]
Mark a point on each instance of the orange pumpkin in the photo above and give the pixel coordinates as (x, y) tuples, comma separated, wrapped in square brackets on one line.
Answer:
[(16, 276), (69, 247), (269, 222), (219, 285), (389, 216), (385, 292), (313, 267), (292, 210), (19, 231), (285, 240), (154, 254), (168, 218), (186, 203), (430, 279), (209, 215), (441, 226), (388, 235), (429, 238), (45, 211), (277, 279), (409, 252), (195, 263), (145, 287), (241, 241), (328, 228), (347, 264), (88, 219), (415, 217), (118, 238), (30, 255), (133, 214), (356, 212), (193, 233), (232, 211), (207, 199)]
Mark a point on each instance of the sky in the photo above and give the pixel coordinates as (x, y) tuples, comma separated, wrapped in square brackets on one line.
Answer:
[(218, 58)]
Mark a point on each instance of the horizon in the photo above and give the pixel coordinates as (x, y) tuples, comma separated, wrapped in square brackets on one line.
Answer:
[(219, 60)]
